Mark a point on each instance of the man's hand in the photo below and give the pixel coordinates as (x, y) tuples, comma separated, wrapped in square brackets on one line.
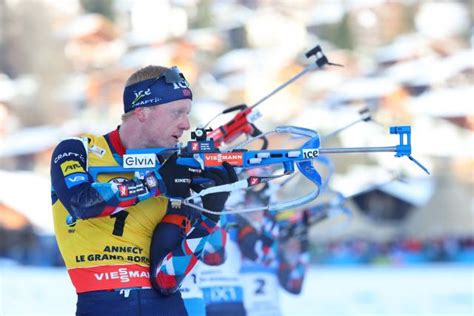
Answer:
[(216, 201), (177, 178)]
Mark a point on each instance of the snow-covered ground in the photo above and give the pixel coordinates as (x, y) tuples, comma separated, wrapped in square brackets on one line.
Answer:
[(420, 290)]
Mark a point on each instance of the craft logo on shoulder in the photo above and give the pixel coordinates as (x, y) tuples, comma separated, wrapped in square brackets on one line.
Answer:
[(310, 153), (71, 166), (66, 155), (139, 161), (217, 159)]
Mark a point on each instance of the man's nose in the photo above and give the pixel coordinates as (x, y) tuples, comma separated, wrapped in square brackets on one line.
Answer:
[(184, 123)]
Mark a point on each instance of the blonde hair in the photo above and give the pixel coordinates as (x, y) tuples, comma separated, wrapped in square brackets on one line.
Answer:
[(143, 74)]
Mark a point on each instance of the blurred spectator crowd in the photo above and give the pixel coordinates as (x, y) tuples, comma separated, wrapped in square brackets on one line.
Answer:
[(398, 252), (24, 247)]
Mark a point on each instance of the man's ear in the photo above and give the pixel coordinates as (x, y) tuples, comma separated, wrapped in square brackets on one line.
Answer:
[(140, 113)]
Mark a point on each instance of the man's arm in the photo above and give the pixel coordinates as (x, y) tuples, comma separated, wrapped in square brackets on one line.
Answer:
[(257, 246), (214, 252), (293, 252), (78, 192), (178, 242), (176, 248), (292, 265)]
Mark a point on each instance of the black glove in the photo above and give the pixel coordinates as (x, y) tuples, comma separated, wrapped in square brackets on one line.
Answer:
[(177, 178), (216, 201)]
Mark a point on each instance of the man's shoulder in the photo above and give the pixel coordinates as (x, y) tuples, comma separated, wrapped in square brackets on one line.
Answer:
[(84, 140), (73, 140), (73, 148)]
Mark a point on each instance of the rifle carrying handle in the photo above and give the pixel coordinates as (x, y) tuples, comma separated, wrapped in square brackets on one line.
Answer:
[(235, 108)]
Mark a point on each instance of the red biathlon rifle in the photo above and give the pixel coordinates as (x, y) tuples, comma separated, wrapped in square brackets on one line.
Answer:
[(202, 153), (243, 122)]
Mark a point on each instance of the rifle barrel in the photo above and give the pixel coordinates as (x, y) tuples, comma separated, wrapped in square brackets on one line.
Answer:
[(357, 150)]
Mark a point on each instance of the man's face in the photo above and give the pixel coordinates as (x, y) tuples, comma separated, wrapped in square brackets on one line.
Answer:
[(166, 123)]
